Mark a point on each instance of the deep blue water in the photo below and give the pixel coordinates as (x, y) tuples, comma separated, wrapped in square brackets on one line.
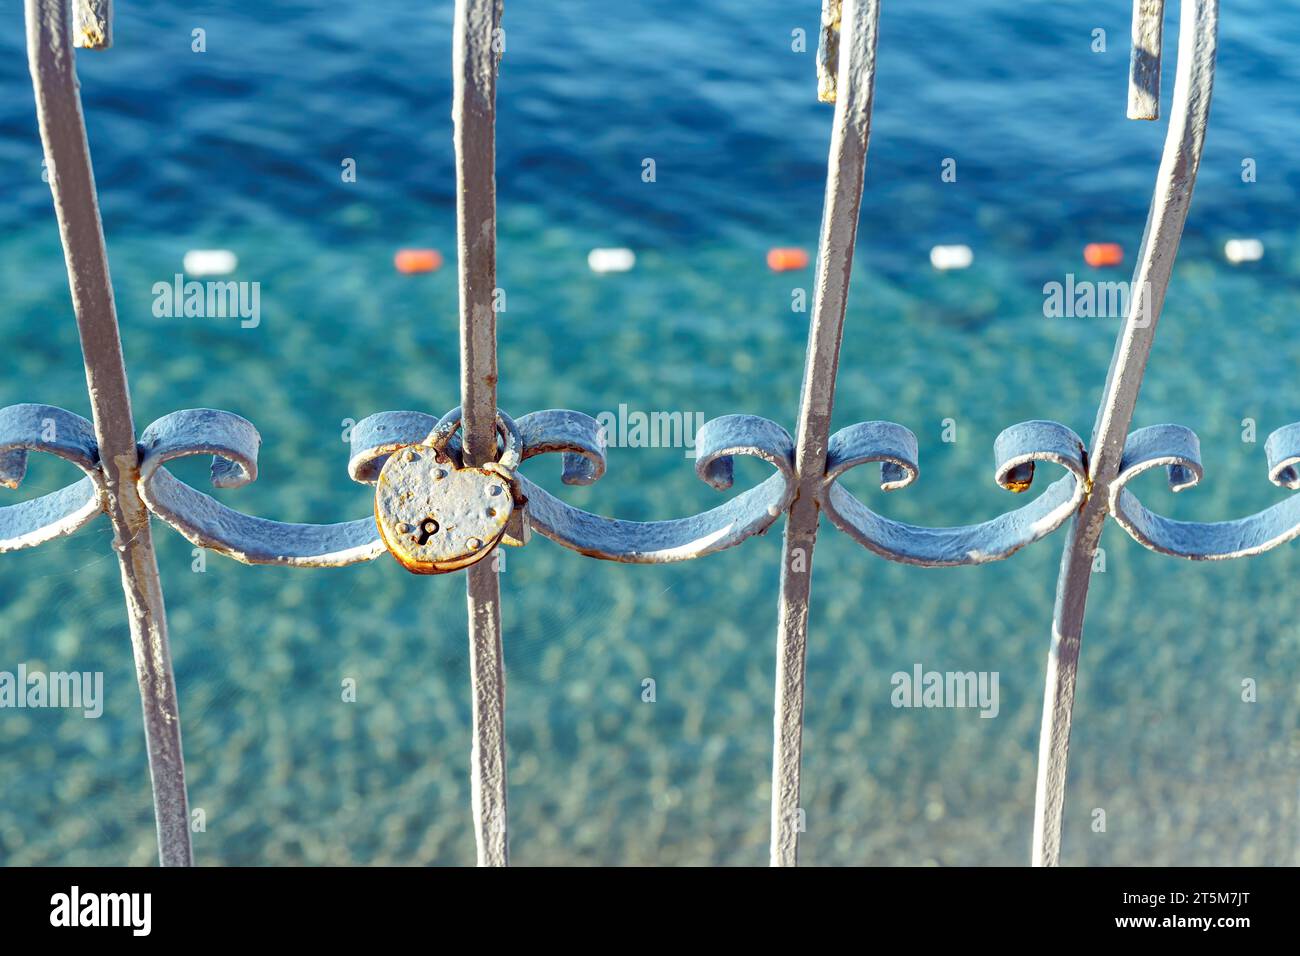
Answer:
[(240, 147)]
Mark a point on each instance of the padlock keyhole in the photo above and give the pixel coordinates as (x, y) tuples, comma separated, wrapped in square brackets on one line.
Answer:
[(428, 528)]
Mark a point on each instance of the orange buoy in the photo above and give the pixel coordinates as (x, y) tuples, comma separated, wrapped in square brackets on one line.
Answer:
[(1099, 255), (410, 261), (785, 260)]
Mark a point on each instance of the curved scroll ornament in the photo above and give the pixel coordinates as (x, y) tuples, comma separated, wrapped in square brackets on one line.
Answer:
[(1179, 451), (46, 428), (233, 442), (656, 542), (1016, 450), (580, 440)]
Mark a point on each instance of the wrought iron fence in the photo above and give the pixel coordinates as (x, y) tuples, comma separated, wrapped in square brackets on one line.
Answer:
[(449, 489)]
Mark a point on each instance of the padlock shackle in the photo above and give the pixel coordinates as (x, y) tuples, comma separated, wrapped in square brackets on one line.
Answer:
[(442, 438)]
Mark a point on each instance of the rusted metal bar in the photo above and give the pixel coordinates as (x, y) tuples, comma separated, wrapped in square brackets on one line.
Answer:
[(92, 24), (1144, 60), (828, 50), (1193, 84), (847, 164), (474, 68), (63, 132)]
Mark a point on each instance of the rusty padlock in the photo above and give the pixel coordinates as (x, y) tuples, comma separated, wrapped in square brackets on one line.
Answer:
[(437, 515)]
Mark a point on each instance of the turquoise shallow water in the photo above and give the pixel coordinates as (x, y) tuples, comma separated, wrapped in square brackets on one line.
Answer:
[(240, 147)]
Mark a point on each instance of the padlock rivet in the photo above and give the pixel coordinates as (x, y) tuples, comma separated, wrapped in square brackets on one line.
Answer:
[(473, 544), (404, 528), (409, 455), (439, 473), (494, 490)]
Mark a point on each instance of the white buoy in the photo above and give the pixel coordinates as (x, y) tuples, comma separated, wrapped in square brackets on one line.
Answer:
[(1238, 251), (611, 260), (951, 257), (210, 262)]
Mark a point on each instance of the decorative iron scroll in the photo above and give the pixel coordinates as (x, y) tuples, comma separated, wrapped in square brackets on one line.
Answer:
[(1178, 450), (28, 428), (233, 442), (1016, 451), (808, 468)]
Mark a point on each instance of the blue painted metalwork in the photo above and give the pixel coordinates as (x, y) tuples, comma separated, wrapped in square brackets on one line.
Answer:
[(807, 470)]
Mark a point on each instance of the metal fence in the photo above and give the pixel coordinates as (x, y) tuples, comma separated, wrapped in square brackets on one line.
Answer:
[(448, 488)]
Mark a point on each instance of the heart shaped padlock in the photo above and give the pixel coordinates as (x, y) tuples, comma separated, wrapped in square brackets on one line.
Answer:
[(436, 515)]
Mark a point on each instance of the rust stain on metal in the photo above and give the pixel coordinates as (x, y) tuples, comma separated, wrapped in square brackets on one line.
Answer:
[(1021, 480), (828, 50)]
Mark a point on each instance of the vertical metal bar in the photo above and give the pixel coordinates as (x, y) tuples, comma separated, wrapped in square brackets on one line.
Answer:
[(63, 132), (845, 169), (1190, 111), (474, 66), (1144, 60)]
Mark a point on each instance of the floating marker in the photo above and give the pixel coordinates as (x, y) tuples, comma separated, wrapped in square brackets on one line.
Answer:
[(411, 261), (210, 262), (1099, 255), (611, 260), (786, 260), (951, 257), (1238, 251)]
